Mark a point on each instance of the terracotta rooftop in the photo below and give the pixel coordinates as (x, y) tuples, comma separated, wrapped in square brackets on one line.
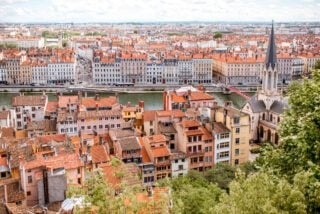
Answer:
[(99, 154), (64, 100), (51, 106), (160, 151), (157, 138), (168, 113), (220, 128), (195, 96), (149, 115), (190, 123), (144, 153), (101, 102), (29, 100)]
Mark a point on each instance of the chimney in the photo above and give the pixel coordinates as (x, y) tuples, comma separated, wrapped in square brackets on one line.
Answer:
[(141, 104), (97, 106)]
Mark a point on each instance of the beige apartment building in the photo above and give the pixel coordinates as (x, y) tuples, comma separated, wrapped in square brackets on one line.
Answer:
[(238, 123)]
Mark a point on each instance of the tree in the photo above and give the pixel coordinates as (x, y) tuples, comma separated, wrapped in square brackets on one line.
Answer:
[(217, 35), (64, 43), (299, 151), (193, 194), (299, 131), (221, 174), (317, 65), (262, 193)]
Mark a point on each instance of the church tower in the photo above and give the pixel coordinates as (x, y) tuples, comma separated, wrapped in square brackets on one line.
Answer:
[(270, 72), (269, 92)]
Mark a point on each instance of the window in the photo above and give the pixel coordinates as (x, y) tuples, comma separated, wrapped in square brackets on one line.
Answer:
[(224, 135), (223, 145), (237, 151), (28, 193), (29, 179), (236, 161), (79, 180), (180, 167), (236, 120), (223, 154), (237, 140), (237, 130), (151, 123), (79, 170)]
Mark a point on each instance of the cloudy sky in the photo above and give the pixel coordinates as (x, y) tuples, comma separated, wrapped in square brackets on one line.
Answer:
[(158, 10)]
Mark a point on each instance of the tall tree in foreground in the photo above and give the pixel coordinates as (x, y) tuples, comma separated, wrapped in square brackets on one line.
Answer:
[(300, 140)]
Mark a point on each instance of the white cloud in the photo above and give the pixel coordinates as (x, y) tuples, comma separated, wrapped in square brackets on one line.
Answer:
[(163, 10)]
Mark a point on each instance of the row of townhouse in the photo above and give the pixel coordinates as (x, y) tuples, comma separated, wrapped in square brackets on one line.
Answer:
[(138, 70), (247, 71), (24, 69)]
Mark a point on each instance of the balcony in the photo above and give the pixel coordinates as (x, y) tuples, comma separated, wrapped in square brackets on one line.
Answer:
[(195, 153), (162, 163)]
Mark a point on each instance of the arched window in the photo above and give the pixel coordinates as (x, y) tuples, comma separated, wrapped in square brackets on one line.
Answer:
[(271, 117), (276, 139), (263, 116), (261, 132), (269, 135)]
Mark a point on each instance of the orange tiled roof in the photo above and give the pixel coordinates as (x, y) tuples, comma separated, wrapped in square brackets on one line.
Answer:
[(194, 96), (144, 153), (149, 115), (64, 100), (177, 99), (52, 106), (102, 102), (157, 138), (207, 135), (160, 151), (56, 138), (175, 113), (99, 154), (190, 123)]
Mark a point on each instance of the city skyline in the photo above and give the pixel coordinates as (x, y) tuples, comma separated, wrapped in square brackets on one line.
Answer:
[(158, 11)]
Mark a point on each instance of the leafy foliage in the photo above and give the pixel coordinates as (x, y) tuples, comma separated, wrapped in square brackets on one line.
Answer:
[(221, 174), (193, 194), (262, 193), (217, 35), (317, 65)]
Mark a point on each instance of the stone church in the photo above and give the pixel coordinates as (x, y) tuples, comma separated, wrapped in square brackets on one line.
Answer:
[(267, 106)]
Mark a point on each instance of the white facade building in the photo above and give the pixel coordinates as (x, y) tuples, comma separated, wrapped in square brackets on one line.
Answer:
[(106, 73), (179, 164), (61, 72), (222, 142), (154, 73)]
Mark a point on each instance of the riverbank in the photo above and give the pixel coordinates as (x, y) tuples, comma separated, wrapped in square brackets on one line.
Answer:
[(152, 100), (111, 89)]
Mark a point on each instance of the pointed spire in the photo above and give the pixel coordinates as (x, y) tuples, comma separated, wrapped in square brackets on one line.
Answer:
[(271, 58)]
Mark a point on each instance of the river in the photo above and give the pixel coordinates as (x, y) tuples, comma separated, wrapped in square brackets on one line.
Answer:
[(153, 101)]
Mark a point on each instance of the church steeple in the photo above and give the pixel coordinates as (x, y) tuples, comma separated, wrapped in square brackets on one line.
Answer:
[(271, 58), (270, 73)]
